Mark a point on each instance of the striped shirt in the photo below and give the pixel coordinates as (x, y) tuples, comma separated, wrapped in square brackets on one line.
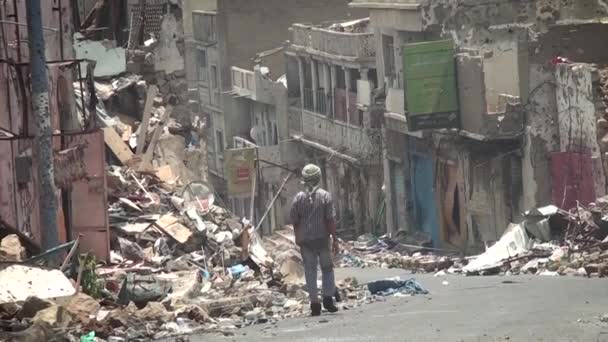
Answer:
[(311, 214)]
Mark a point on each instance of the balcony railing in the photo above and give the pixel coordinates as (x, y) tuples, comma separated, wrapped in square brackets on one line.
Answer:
[(324, 101), (355, 45)]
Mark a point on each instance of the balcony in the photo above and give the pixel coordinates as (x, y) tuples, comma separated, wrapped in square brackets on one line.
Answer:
[(324, 101), (338, 135), (326, 42), (253, 85)]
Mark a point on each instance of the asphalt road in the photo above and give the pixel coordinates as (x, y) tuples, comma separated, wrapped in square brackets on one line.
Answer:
[(531, 308)]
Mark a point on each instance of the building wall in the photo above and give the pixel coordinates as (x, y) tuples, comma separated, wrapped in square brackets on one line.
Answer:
[(577, 117), (19, 202), (254, 26), (195, 5)]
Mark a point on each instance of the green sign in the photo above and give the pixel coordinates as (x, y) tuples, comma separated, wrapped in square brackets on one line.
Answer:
[(431, 93)]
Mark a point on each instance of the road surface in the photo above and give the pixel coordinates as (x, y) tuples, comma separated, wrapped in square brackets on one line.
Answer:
[(523, 308)]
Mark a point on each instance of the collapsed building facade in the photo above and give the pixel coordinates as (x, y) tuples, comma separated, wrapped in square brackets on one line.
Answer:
[(517, 123)]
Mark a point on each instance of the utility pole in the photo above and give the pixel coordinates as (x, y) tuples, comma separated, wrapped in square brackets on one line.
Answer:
[(43, 140)]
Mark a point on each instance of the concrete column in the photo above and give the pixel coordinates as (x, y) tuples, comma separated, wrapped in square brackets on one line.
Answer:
[(301, 75), (379, 57), (334, 82), (363, 72), (347, 78), (327, 87), (315, 82)]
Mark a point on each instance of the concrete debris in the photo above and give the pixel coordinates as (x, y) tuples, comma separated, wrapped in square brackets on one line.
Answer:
[(55, 316), (11, 249), (569, 243), (513, 242), (32, 306), (82, 307), (20, 282)]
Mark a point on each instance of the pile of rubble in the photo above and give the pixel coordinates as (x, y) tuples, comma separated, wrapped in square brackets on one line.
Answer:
[(551, 241), (179, 265), (397, 252)]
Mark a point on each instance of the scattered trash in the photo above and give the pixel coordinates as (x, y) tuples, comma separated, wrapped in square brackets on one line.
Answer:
[(90, 337), (389, 286)]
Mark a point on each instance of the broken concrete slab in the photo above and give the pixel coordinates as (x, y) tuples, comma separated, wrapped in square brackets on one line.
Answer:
[(20, 282), (32, 306), (193, 312), (55, 315), (82, 307), (154, 311)]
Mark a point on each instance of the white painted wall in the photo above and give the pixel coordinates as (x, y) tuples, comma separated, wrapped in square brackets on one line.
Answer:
[(111, 60)]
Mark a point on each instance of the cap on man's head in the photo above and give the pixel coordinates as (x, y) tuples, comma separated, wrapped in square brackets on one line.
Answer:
[(311, 173)]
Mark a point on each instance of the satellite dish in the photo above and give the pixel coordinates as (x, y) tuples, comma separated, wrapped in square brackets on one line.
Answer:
[(199, 196), (256, 134)]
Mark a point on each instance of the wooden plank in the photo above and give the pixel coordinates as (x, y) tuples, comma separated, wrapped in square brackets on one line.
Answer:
[(118, 147), (147, 158), (145, 121)]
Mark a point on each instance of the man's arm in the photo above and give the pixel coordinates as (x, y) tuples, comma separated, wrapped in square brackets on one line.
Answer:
[(330, 223), (330, 217), (294, 214)]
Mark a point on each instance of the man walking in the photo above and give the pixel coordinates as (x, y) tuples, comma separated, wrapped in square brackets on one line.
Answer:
[(313, 216)]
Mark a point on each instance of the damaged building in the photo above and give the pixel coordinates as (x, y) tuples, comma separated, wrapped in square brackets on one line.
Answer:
[(331, 75), (79, 154), (234, 60), (140, 73), (459, 166)]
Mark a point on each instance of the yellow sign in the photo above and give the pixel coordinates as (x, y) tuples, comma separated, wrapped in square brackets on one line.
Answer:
[(239, 165)]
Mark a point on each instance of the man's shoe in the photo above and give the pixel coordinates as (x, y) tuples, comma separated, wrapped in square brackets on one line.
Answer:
[(328, 304), (315, 309), (338, 296)]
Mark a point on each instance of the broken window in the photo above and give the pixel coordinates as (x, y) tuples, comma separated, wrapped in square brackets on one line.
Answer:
[(388, 50), (202, 66), (219, 141), (204, 27), (215, 91)]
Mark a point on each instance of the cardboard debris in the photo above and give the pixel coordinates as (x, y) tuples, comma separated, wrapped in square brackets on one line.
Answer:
[(171, 226), (165, 174)]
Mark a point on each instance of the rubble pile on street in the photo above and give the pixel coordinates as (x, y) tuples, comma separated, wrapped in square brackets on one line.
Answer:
[(179, 264), (369, 251), (552, 242)]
